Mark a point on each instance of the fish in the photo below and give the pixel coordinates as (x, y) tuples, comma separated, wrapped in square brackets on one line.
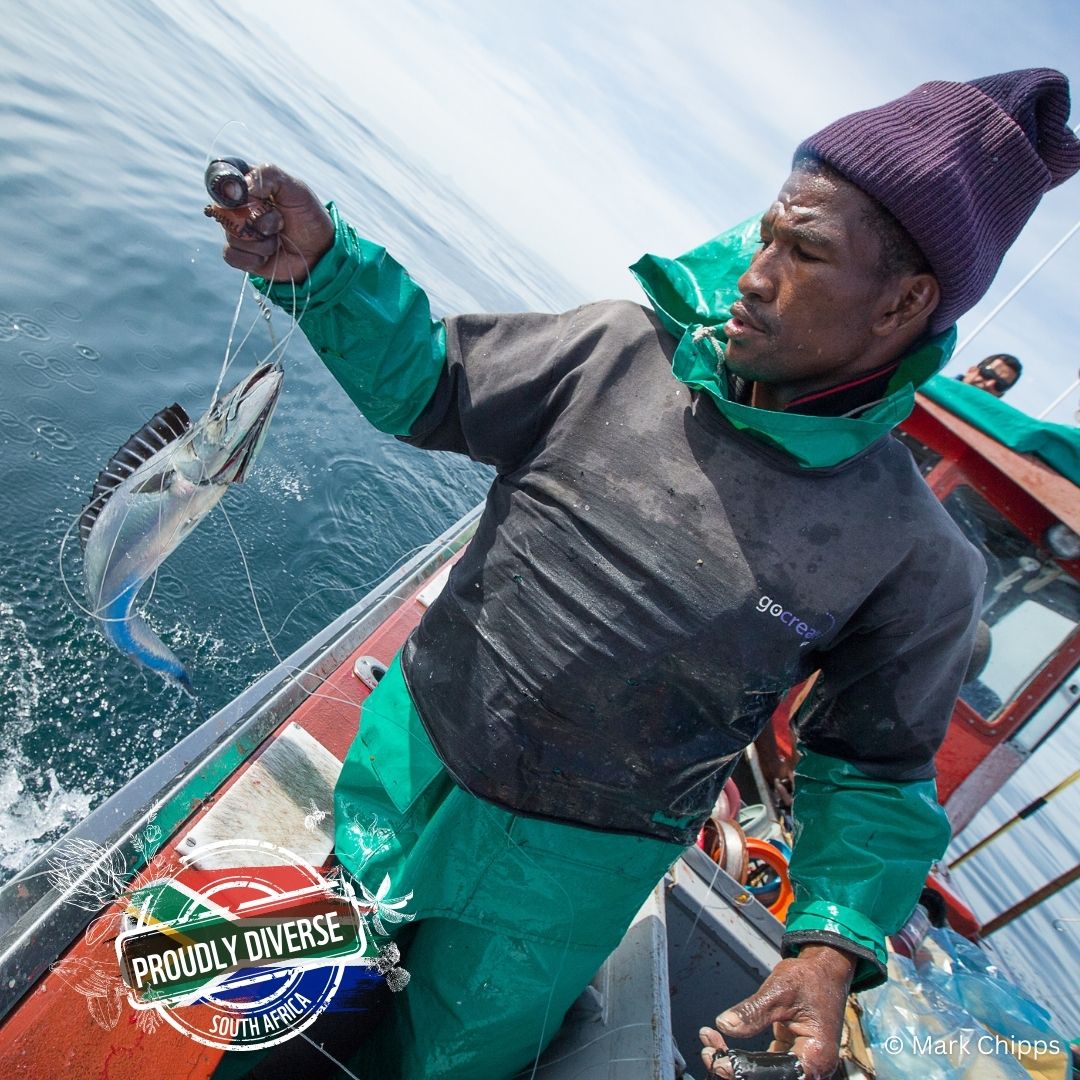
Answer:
[(150, 496)]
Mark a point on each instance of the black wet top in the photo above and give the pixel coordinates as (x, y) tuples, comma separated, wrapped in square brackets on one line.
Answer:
[(646, 583)]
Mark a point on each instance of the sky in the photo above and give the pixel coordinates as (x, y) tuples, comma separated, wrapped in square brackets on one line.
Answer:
[(593, 131)]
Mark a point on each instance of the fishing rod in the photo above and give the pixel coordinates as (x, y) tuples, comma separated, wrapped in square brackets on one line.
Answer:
[(1032, 807), (1016, 288), (1058, 400), (1062, 881), (1013, 292)]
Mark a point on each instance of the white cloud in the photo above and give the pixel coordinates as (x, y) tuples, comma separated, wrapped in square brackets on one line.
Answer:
[(593, 131)]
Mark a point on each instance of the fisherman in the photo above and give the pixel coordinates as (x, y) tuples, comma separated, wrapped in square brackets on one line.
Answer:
[(996, 374), (697, 504)]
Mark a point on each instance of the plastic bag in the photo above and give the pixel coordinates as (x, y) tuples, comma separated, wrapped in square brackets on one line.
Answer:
[(951, 1015)]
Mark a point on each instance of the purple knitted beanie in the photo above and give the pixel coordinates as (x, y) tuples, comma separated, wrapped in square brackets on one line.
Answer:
[(961, 166)]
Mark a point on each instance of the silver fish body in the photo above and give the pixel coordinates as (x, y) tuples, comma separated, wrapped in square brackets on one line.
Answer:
[(165, 479)]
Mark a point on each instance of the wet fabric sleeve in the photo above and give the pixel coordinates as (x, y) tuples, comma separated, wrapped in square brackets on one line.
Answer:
[(507, 376), (478, 385), (868, 823), (863, 848), (371, 325)]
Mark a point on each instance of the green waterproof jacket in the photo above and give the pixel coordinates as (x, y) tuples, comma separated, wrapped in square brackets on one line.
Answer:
[(863, 845)]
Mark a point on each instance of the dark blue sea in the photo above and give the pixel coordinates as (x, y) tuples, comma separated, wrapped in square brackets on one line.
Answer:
[(114, 302)]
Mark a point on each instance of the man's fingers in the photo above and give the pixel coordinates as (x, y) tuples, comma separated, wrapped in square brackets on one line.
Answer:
[(247, 261), (783, 1039), (270, 182), (712, 1038), (751, 1016), (270, 223), (263, 247), (264, 181), (717, 1063), (819, 1058), (286, 237), (713, 1053)]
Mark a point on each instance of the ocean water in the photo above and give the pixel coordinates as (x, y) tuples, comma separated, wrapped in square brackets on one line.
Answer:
[(114, 303), (1041, 949)]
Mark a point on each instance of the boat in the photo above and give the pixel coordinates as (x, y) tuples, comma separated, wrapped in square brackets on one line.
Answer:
[(701, 942)]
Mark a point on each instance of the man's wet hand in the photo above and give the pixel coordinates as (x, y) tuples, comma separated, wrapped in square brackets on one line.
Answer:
[(803, 999), (287, 238)]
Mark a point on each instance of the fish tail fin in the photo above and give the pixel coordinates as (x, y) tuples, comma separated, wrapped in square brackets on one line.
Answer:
[(185, 684), (132, 635)]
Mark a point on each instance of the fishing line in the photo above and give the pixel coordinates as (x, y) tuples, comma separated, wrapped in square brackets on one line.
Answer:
[(592, 1042), (521, 849), (700, 910), (220, 131), (348, 588), (227, 360), (258, 612), (326, 1053), (264, 310), (267, 315), (278, 347)]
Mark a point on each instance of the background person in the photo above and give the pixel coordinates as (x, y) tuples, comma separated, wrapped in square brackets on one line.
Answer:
[(996, 374)]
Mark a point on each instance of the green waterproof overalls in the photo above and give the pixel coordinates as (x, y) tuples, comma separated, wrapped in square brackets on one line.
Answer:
[(513, 915)]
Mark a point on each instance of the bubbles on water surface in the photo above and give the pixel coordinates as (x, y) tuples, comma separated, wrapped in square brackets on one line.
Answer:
[(276, 481), (60, 368), (33, 803), (52, 432), (22, 324), (30, 818), (20, 690)]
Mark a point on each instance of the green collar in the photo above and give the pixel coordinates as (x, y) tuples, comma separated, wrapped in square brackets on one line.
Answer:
[(692, 296)]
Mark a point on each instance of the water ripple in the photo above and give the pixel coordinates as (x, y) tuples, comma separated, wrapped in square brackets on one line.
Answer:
[(23, 324), (139, 329), (35, 377), (52, 432), (59, 368), (15, 428)]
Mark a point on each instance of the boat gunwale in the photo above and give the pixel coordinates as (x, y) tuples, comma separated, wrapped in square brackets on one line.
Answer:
[(37, 923)]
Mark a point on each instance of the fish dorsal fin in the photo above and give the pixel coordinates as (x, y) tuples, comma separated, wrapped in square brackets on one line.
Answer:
[(161, 429)]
